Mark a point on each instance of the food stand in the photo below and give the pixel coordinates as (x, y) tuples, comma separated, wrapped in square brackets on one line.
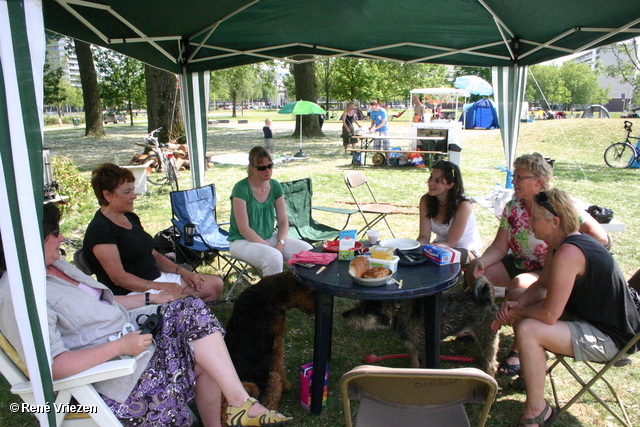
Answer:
[(446, 126)]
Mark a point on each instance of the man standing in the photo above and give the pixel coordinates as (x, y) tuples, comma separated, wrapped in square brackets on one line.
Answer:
[(379, 125)]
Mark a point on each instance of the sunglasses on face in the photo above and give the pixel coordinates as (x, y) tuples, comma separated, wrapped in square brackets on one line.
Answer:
[(264, 168), (543, 200)]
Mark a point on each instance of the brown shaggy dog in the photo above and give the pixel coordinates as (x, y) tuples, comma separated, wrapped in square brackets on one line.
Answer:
[(462, 312), (255, 333)]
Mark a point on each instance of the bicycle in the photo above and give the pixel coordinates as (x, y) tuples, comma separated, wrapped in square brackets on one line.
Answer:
[(165, 162), (622, 154)]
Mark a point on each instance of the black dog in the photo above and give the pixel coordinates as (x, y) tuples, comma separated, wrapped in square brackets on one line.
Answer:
[(255, 333), (462, 312)]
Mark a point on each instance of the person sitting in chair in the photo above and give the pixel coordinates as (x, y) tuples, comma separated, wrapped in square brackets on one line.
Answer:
[(579, 306), (257, 202), (121, 252), (185, 360)]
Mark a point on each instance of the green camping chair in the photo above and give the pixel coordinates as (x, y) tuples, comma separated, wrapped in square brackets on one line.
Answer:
[(297, 196)]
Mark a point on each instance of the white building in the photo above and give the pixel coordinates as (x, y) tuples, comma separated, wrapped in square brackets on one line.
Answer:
[(59, 56)]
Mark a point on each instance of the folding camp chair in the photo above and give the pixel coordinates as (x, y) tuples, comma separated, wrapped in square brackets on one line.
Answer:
[(79, 386), (416, 397), (297, 196), (380, 210), (589, 386), (197, 206), (80, 261)]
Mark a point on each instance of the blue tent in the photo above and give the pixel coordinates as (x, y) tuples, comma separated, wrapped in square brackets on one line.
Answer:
[(481, 114)]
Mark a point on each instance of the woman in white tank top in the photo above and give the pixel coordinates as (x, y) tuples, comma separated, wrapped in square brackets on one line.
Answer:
[(448, 213)]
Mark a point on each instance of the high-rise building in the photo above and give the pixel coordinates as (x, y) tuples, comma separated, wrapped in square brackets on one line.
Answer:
[(59, 56)]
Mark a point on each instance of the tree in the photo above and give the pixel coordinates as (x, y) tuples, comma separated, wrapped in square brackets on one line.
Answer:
[(240, 83), (163, 104), (307, 90), (627, 67), (546, 85), (351, 79), (53, 90), (582, 83), (122, 80), (324, 70), (90, 91)]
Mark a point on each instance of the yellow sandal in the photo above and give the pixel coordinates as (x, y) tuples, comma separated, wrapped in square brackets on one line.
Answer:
[(238, 416)]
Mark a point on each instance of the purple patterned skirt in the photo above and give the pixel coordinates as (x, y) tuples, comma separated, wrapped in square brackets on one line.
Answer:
[(166, 387)]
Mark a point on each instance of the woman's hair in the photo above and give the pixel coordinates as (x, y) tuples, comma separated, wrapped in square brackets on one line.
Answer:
[(50, 219), (564, 208), (451, 174), (108, 176), (256, 155), (537, 166)]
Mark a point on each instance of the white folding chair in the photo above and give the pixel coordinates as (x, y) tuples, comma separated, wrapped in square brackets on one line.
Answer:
[(379, 210), (79, 386)]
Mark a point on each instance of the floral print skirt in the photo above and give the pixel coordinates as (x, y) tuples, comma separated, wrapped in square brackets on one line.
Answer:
[(166, 387)]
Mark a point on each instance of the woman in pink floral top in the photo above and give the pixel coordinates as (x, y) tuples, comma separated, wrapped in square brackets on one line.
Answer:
[(520, 268)]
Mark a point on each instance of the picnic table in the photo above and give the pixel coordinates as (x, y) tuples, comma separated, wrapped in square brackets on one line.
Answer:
[(367, 141)]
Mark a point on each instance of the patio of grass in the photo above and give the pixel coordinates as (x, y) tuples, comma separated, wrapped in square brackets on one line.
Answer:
[(576, 145)]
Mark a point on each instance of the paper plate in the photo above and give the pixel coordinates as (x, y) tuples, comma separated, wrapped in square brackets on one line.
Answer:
[(334, 245), (402, 244)]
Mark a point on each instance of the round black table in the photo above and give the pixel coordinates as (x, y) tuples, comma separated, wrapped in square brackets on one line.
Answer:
[(426, 281)]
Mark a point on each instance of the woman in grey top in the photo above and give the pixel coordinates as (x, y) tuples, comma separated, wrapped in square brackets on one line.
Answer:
[(185, 360)]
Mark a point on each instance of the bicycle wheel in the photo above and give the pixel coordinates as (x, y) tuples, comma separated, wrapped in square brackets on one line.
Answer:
[(172, 175), (620, 155)]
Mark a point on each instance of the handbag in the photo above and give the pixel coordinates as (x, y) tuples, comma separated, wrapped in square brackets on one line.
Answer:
[(601, 214)]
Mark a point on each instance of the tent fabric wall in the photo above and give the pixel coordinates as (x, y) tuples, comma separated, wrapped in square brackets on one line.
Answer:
[(194, 94), (22, 49), (509, 84), (596, 111), (481, 114)]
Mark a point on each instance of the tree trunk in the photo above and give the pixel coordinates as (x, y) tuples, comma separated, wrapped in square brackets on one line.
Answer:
[(163, 104), (306, 90), (90, 92)]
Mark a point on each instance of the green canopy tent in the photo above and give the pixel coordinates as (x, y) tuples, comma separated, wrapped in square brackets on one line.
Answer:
[(191, 37)]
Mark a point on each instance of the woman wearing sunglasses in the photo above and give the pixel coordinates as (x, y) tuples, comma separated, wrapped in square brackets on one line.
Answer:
[(257, 202), (520, 268), (579, 306)]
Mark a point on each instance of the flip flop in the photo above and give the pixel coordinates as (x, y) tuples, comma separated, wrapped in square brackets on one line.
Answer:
[(539, 420), (508, 369)]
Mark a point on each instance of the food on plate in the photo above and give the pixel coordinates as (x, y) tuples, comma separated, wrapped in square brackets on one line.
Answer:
[(358, 266), (376, 273)]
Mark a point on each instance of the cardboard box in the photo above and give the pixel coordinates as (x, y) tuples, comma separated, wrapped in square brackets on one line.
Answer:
[(441, 254), (305, 385), (347, 245), (391, 264)]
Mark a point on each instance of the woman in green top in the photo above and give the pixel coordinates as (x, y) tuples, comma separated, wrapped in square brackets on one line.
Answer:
[(257, 203)]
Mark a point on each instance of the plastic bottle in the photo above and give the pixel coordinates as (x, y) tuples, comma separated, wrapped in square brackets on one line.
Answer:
[(495, 194)]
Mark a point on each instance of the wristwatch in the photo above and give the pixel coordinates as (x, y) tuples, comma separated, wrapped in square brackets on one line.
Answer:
[(281, 241)]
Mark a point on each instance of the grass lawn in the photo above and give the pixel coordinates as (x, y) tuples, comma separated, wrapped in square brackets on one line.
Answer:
[(577, 145)]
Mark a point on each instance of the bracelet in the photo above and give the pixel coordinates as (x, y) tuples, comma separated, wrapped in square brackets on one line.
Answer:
[(148, 284), (146, 299), (177, 268)]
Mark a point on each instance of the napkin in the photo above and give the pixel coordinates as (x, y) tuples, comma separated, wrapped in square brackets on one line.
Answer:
[(322, 258)]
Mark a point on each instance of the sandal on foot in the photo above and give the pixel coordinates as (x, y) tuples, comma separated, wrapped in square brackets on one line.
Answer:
[(507, 368), (238, 416), (539, 420)]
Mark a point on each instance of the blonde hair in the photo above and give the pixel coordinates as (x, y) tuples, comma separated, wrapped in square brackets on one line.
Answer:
[(255, 156), (267, 121), (537, 166), (565, 210)]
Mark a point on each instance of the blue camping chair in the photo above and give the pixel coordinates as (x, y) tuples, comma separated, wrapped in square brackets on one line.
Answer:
[(197, 206)]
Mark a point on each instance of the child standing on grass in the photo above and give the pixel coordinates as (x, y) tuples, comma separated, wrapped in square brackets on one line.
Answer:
[(268, 137)]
